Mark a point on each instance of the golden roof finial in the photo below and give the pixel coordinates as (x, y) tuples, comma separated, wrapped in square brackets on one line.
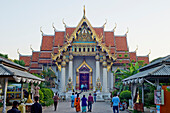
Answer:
[(84, 11), (114, 27), (64, 23), (31, 47), (149, 52), (18, 52), (105, 23), (136, 48), (53, 26), (127, 31), (41, 30)]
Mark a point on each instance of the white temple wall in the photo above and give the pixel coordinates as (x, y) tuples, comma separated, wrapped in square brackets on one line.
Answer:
[(67, 73), (101, 74)]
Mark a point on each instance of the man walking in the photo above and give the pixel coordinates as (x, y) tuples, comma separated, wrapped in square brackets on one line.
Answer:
[(90, 102), (56, 98), (115, 103), (72, 100), (85, 86), (36, 107), (14, 108)]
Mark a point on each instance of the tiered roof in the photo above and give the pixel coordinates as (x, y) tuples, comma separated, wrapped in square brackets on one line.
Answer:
[(112, 44)]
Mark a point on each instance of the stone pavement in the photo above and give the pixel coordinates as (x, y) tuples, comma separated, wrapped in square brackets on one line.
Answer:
[(65, 107)]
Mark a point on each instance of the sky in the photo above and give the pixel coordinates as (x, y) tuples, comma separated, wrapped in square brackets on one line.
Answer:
[(148, 22)]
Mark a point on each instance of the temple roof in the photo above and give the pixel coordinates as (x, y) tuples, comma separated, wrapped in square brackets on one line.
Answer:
[(47, 43), (121, 43), (26, 59)]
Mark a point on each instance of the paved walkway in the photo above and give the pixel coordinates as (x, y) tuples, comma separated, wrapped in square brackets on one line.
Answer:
[(65, 107)]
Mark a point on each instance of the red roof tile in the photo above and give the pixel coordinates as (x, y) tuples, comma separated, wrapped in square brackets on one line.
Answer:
[(47, 43), (121, 43), (44, 61), (55, 50), (34, 65), (112, 50), (35, 71), (123, 55), (45, 55), (121, 61), (132, 56), (26, 59), (69, 30), (59, 38), (35, 56), (109, 39), (143, 58), (99, 31)]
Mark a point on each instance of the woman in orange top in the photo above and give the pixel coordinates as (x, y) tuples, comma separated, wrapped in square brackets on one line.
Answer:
[(77, 103)]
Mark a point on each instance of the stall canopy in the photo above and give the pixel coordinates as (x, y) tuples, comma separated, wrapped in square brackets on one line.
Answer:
[(13, 71), (159, 69)]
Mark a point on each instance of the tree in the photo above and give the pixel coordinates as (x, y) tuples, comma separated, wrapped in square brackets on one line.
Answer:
[(49, 76), (20, 62)]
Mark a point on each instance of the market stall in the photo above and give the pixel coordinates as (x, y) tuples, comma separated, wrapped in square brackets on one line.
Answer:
[(12, 72)]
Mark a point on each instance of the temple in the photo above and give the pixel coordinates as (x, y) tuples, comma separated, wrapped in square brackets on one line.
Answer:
[(83, 55)]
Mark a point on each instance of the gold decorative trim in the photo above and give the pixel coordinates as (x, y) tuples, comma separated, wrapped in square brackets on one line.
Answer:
[(109, 66), (84, 63)]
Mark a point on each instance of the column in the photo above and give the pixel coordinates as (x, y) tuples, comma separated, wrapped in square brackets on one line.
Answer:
[(63, 74), (97, 65), (71, 65), (143, 93), (111, 81), (22, 92), (5, 94), (104, 74)]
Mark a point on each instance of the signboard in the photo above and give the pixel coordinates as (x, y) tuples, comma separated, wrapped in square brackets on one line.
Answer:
[(159, 97)]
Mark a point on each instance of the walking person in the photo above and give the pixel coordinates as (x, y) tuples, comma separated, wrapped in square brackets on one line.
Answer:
[(72, 100), (83, 104), (90, 102), (82, 87), (36, 107), (94, 95), (77, 103), (115, 103), (55, 98), (14, 108), (75, 96)]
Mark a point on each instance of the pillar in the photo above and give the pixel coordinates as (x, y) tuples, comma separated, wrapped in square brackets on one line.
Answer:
[(104, 74), (143, 93), (5, 95), (97, 65), (22, 92), (63, 74), (71, 65), (111, 81)]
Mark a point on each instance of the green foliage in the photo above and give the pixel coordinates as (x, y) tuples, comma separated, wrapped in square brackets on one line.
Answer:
[(120, 60), (41, 95), (125, 95), (49, 102), (141, 62), (1, 104), (149, 95), (133, 61), (47, 93), (20, 62), (124, 64), (120, 55), (37, 75), (3, 55), (52, 93)]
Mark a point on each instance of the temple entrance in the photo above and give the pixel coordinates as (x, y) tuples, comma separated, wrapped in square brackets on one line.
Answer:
[(84, 76), (84, 79)]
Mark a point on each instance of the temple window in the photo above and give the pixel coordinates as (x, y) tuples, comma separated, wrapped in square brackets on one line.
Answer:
[(75, 49), (88, 49), (79, 49), (84, 49), (92, 49)]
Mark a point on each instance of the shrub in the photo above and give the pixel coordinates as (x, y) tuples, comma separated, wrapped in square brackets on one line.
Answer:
[(125, 95), (49, 102), (41, 95), (47, 93)]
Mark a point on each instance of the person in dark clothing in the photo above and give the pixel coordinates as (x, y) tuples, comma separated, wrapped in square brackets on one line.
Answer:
[(36, 107), (14, 108), (56, 98)]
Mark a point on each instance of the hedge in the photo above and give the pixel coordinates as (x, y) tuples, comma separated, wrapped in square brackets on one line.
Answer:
[(125, 95), (47, 93)]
